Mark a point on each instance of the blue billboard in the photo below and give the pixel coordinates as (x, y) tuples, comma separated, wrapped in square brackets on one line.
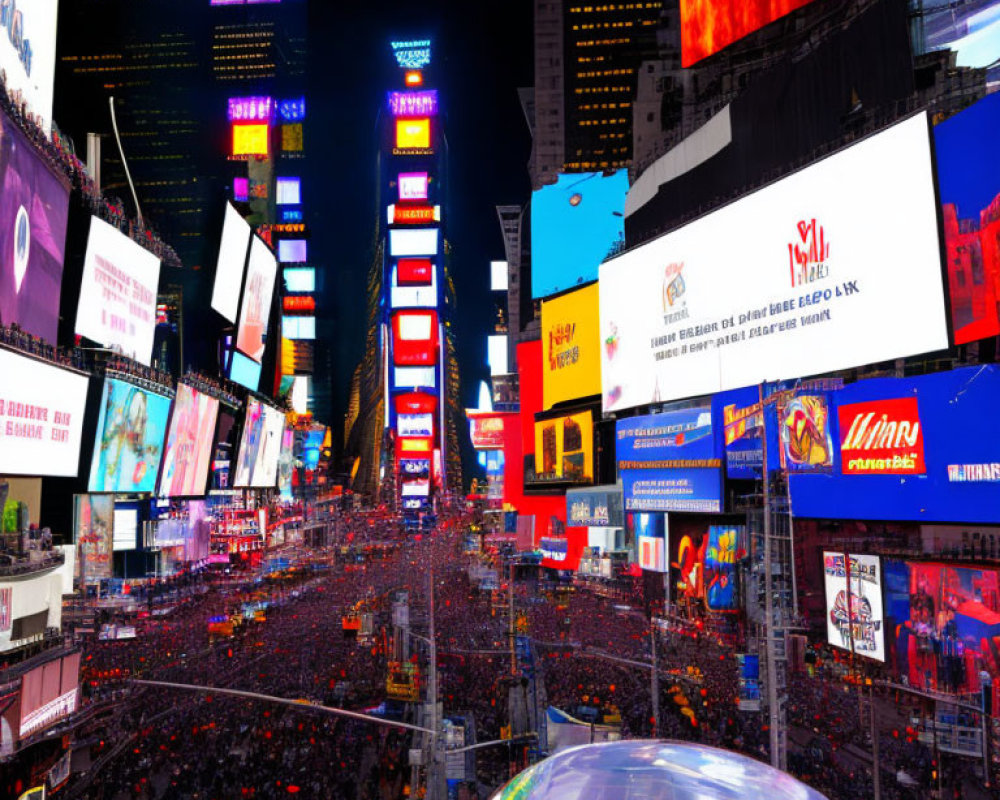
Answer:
[(575, 224), (670, 461), (924, 449)]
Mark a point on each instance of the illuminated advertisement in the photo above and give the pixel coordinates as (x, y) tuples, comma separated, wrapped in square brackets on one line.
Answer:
[(968, 168), (945, 616), (412, 54), (575, 224), (486, 431), (251, 109), (28, 53), (34, 208), (244, 371), (413, 186), (748, 666), (414, 378), (782, 294), (416, 488), (670, 461), (415, 338), (496, 354), (413, 293), (414, 215), (293, 251), (286, 465), (415, 468), (709, 25), (131, 427), (300, 279), (599, 507), (571, 360), (415, 424), (190, 441), (251, 139), (413, 104), (414, 272), (704, 565), (49, 693), (563, 552), (118, 293), (804, 432), (649, 531), (413, 134), (233, 248), (93, 523), (413, 242), (41, 417), (255, 311), (921, 448), (260, 446), (288, 191), (564, 448), (854, 616), (292, 138), (415, 403), (292, 109)]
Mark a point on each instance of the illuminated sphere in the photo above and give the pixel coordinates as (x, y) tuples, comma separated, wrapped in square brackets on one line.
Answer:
[(575, 199), (653, 769)]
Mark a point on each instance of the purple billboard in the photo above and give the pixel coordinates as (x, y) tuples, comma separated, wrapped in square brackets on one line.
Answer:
[(34, 205)]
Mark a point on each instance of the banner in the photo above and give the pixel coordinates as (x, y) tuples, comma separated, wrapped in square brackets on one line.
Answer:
[(798, 278), (94, 524), (28, 53), (855, 619), (571, 359), (670, 461)]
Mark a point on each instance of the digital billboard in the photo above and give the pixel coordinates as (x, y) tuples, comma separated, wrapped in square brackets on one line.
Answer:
[(286, 465), (414, 378), (293, 251), (968, 169), (670, 461), (709, 25), (251, 139), (34, 207), (413, 186), (233, 247), (255, 311), (413, 134), (260, 446), (704, 562), (413, 104), (486, 431), (190, 442), (131, 427), (41, 417), (805, 280), (118, 292), (571, 359), (413, 242), (925, 448), (415, 424), (415, 338), (650, 534), (600, 507), (407, 294), (855, 620), (288, 191), (28, 53), (575, 224), (300, 279), (564, 448), (244, 371), (93, 523)]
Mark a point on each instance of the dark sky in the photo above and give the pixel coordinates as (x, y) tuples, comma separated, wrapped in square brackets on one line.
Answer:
[(482, 54)]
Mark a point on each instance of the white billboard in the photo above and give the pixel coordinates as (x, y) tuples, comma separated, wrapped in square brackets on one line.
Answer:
[(413, 242), (28, 52), (233, 248), (258, 295), (413, 296), (415, 424), (118, 293), (855, 619), (830, 268), (41, 417)]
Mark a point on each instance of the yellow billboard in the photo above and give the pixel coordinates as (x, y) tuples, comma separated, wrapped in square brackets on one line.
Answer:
[(564, 448), (571, 341)]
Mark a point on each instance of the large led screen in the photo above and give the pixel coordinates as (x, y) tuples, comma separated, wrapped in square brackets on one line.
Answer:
[(118, 292), (260, 447), (190, 441), (709, 25), (131, 427), (236, 234), (255, 312), (41, 417), (800, 278), (410, 296), (34, 207), (968, 166), (28, 53), (970, 29), (571, 359), (855, 620), (575, 224), (704, 561), (413, 242), (564, 448)]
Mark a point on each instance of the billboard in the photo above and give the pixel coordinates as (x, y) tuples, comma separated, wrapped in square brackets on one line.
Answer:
[(41, 417), (190, 441), (709, 25), (855, 620), (286, 465), (704, 562), (255, 311), (804, 430), (413, 186), (413, 104), (571, 360), (670, 461), (34, 207), (413, 134), (575, 224), (94, 524), (251, 139), (28, 53), (486, 431), (233, 247), (748, 685), (599, 507), (805, 280), (649, 531), (118, 293), (409, 293), (131, 426), (49, 693), (564, 448), (415, 424), (415, 338), (925, 448), (413, 242), (968, 169), (260, 446)]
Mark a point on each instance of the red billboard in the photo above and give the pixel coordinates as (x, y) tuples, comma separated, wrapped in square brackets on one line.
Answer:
[(415, 338), (49, 693), (881, 437), (709, 25), (416, 403), (414, 272), (487, 431)]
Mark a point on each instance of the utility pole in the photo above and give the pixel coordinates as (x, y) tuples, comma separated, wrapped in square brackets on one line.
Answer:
[(513, 631)]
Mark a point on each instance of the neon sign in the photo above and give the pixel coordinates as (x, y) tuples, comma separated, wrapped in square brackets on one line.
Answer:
[(413, 104), (251, 109), (293, 109), (413, 54)]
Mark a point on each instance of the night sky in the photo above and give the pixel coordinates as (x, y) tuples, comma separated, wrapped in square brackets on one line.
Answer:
[(481, 55)]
